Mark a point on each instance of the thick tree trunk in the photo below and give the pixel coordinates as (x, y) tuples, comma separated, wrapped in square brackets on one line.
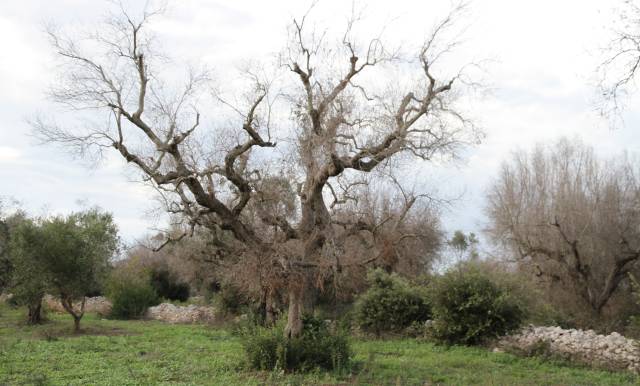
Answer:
[(270, 312), (76, 323), (35, 313), (293, 328)]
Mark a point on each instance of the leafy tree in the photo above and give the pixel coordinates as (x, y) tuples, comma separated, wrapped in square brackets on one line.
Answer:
[(68, 256), (28, 276), (463, 244), (76, 261)]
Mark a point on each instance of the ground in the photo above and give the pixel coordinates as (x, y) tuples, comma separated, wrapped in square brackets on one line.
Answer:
[(111, 352)]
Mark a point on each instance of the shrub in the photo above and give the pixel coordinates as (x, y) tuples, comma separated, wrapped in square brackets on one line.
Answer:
[(391, 304), (167, 287), (130, 296), (230, 300), (317, 347), (469, 308)]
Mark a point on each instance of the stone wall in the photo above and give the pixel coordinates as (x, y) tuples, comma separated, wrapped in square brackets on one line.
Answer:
[(171, 313), (98, 304), (612, 351)]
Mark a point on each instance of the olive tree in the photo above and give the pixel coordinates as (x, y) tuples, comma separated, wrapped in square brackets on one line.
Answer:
[(341, 107), (573, 217), (28, 279), (67, 256)]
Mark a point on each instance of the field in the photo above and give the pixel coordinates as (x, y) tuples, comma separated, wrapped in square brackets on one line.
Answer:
[(111, 352)]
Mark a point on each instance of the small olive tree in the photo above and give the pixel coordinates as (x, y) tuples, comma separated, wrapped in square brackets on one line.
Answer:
[(67, 256), (79, 248), (27, 280)]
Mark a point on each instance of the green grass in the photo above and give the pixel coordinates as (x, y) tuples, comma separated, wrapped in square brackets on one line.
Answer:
[(113, 352)]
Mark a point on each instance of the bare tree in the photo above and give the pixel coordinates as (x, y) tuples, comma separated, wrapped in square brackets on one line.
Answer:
[(338, 125), (617, 72), (574, 218)]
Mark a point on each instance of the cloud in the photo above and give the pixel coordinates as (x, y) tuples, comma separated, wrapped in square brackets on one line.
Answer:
[(9, 154), (540, 80)]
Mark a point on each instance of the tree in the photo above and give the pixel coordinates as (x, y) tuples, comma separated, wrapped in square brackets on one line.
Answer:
[(68, 256), (79, 248), (28, 276), (5, 263), (574, 218), (617, 73), (347, 114), (462, 244)]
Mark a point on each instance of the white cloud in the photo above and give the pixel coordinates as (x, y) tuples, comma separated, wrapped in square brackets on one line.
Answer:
[(544, 61), (9, 154)]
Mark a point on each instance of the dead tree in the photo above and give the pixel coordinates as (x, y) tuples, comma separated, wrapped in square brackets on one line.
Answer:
[(575, 218), (345, 112), (617, 72)]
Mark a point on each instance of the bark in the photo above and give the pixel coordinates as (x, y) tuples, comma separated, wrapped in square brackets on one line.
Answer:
[(294, 318), (270, 312), (35, 313), (67, 304)]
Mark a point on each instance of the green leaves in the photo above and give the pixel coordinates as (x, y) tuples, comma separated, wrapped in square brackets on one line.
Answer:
[(65, 255), (391, 304), (469, 308)]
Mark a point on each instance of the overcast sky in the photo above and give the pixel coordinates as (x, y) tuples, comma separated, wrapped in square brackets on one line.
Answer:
[(545, 53)]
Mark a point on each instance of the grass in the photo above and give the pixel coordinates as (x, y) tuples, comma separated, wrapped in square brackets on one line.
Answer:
[(111, 352)]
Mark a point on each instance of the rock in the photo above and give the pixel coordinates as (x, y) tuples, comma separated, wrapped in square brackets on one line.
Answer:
[(98, 304), (170, 313), (609, 351)]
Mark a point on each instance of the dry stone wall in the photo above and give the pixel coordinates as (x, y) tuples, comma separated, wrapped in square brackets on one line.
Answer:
[(171, 313), (612, 351), (98, 304)]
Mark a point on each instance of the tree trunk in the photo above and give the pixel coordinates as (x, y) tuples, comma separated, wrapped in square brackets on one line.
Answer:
[(35, 314), (270, 312), (76, 323), (293, 328), (68, 306)]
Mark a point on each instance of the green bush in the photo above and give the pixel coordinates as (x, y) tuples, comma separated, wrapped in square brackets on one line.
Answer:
[(167, 286), (391, 304), (469, 308), (230, 300), (318, 347), (130, 296)]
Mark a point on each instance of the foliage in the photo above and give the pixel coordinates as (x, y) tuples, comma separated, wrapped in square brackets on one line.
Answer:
[(391, 304), (130, 295), (463, 244), (28, 282), (167, 286), (153, 353), (317, 347), (633, 325), (469, 308), (66, 256), (230, 300), (79, 248)]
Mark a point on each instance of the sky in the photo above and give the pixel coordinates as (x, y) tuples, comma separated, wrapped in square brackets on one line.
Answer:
[(540, 75)]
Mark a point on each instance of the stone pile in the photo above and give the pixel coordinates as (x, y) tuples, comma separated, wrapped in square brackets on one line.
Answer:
[(97, 304), (170, 313), (612, 351)]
